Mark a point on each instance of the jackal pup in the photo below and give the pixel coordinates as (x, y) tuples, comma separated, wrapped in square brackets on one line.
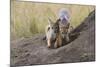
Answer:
[(64, 24), (53, 34)]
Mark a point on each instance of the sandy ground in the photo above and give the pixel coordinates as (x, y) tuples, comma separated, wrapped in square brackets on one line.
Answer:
[(33, 50)]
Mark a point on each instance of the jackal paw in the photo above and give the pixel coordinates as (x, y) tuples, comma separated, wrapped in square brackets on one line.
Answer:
[(56, 45), (48, 46)]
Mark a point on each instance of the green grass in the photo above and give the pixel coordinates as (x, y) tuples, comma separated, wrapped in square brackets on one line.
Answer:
[(28, 18)]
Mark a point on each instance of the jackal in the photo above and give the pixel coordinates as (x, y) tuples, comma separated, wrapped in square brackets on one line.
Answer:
[(64, 24), (53, 34)]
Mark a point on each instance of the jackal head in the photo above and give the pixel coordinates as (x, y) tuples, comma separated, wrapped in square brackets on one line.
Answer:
[(53, 26)]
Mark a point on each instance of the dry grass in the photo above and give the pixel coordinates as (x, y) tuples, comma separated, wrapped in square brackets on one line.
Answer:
[(29, 18)]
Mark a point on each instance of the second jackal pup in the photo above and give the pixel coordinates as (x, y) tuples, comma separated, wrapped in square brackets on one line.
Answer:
[(52, 34), (64, 24)]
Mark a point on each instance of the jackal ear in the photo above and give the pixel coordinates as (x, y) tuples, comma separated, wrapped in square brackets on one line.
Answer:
[(50, 21), (58, 20), (48, 29)]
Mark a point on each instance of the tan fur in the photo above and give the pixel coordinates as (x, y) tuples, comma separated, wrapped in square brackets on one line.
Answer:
[(53, 33), (65, 31), (49, 43), (58, 41)]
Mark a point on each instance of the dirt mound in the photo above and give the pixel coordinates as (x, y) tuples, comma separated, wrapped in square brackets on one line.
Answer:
[(32, 51)]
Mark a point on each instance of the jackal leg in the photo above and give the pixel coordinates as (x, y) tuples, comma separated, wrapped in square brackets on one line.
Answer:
[(49, 43), (67, 37), (58, 42)]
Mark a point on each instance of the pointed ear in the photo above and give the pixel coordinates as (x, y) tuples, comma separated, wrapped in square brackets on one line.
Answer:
[(58, 20), (50, 21)]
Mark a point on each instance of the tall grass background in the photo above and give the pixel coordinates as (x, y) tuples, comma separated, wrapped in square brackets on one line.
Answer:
[(30, 18)]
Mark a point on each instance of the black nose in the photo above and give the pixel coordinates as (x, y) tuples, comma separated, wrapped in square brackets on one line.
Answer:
[(55, 31)]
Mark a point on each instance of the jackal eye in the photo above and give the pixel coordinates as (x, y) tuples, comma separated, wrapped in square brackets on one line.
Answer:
[(52, 27), (48, 28), (56, 27)]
